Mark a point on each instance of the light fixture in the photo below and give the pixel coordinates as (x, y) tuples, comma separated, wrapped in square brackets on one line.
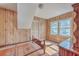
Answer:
[(40, 6)]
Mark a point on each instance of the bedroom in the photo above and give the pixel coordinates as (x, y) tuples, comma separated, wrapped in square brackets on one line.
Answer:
[(39, 29)]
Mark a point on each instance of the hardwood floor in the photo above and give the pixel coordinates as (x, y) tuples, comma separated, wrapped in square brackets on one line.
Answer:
[(51, 49)]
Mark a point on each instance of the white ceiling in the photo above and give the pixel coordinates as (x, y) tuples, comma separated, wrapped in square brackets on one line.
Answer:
[(53, 9)]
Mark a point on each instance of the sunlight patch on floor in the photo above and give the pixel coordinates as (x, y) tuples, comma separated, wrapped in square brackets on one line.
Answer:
[(55, 47), (50, 51)]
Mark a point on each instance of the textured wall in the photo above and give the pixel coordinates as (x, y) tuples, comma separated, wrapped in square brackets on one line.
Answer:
[(12, 38), (9, 33)]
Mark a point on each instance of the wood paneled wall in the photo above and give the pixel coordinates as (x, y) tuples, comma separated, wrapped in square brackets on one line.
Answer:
[(76, 31), (57, 38), (67, 52), (9, 26), (2, 27), (39, 28), (9, 34), (13, 41)]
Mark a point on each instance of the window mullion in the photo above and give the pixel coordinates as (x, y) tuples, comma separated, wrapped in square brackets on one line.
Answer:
[(58, 28)]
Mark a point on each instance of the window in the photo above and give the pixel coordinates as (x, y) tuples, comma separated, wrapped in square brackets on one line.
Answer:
[(62, 27), (65, 31), (54, 28), (65, 27)]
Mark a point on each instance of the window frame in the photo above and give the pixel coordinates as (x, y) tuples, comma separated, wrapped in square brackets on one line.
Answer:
[(58, 29)]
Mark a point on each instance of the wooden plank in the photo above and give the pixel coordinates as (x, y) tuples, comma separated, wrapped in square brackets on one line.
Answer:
[(67, 52), (9, 27), (2, 27)]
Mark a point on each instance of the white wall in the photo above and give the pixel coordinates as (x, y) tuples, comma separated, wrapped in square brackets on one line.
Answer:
[(26, 12)]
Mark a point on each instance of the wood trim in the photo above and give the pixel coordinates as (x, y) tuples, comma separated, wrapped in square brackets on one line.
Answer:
[(75, 5), (62, 16), (38, 18), (52, 48), (47, 29), (14, 44), (67, 52), (44, 47), (8, 9), (76, 20)]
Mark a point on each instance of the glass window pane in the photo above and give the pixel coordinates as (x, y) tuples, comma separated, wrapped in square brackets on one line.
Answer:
[(65, 23), (54, 31), (65, 31), (54, 28), (54, 24)]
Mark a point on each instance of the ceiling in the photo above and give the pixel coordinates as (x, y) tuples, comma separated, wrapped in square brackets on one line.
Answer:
[(53, 9)]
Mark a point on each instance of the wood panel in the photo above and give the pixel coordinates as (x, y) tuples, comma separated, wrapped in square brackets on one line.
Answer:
[(22, 35), (9, 34), (9, 27), (2, 27), (76, 20), (67, 52)]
